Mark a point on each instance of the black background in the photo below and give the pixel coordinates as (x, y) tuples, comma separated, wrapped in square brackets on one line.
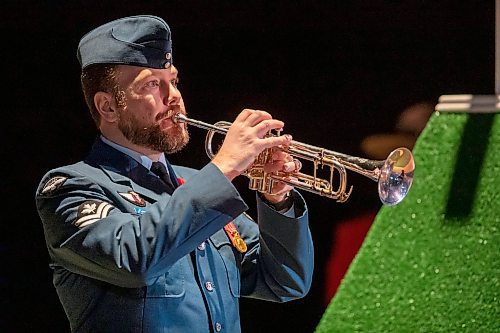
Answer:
[(334, 71)]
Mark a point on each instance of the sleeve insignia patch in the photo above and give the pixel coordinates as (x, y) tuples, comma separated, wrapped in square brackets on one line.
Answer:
[(92, 211), (53, 184), (134, 198)]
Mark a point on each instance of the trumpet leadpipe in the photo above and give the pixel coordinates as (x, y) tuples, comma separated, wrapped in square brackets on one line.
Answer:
[(180, 118)]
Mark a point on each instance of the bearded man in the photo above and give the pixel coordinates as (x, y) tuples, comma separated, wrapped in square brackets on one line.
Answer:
[(139, 245)]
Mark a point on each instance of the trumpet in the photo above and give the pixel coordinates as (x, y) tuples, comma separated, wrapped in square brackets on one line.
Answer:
[(394, 175)]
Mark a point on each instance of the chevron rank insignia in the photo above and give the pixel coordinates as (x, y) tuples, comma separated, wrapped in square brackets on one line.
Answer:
[(134, 198), (53, 184), (92, 211)]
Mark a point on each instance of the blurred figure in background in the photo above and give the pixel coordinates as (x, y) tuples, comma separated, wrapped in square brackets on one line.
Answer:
[(349, 234), (410, 124)]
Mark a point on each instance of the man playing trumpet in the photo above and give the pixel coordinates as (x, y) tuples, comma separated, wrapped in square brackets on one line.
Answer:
[(139, 245)]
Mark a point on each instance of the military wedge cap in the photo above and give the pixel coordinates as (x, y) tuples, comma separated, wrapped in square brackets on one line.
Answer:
[(142, 40)]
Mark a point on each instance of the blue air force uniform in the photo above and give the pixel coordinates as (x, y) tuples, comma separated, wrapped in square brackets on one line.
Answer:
[(129, 257)]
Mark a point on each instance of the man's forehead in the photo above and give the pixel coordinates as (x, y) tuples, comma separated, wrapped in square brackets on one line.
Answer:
[(139, 73)]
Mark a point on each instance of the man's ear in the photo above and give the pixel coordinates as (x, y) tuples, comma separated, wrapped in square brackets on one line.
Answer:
[(104, 103)]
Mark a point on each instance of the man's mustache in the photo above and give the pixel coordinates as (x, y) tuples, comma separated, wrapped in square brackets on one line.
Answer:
[(170, 113)]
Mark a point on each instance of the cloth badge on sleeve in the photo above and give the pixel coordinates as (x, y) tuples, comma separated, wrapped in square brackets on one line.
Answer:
[(134, 198), (92, 211), (53, 184), (235, 237)]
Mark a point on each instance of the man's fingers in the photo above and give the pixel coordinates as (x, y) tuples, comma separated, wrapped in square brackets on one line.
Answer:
[(289, 167), (265, 126), (294, 166), (280, 155), (282, 161), (256, 117), (243, 115), (275, 141), (251, 117), (298, 165)]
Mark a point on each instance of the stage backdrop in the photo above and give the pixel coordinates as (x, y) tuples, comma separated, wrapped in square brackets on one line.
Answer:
[(432, 263)]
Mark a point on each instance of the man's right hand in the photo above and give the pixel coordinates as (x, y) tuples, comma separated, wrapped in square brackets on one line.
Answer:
[(245, 140)]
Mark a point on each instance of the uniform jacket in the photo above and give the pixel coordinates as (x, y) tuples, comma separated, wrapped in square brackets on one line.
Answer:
[(127, 256)]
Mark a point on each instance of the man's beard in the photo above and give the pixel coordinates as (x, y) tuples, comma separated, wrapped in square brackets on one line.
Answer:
[(153, 137)]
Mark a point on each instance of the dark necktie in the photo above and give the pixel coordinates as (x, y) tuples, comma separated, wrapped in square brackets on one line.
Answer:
[(160, 170)]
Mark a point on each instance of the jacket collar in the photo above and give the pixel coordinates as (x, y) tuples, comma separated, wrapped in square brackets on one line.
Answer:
[(122, 168)]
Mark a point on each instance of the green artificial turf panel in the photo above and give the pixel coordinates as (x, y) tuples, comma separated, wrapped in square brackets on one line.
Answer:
[(432, 263)]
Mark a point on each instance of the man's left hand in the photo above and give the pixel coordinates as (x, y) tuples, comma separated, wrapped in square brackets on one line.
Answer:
[(281, 161)]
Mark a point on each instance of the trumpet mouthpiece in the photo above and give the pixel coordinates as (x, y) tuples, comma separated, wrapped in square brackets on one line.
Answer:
[(179, 117)]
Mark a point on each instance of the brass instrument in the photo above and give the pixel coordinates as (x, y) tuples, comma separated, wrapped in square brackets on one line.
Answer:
[(394, 174)]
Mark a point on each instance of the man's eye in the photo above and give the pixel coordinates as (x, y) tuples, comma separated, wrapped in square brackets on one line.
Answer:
[(152, 84), (175, 82)]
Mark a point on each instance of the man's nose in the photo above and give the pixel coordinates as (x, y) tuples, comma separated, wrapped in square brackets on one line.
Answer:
[(174, 95)]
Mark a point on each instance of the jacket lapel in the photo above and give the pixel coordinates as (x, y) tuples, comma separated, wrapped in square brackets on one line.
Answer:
[(123, 169)]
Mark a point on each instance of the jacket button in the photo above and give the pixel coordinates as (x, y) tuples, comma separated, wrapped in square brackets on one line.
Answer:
[(202, 246), (209, 285), (218, 327)]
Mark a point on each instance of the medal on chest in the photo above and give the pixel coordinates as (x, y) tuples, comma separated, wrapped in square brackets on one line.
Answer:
[(235, 237)]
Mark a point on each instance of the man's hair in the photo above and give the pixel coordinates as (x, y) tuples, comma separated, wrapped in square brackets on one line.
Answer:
[(100, 77)]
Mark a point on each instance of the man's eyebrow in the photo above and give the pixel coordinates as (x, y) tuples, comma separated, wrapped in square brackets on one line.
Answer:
[(143, 75)]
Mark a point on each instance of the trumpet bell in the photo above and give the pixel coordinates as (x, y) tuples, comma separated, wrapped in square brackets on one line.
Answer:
[(396, 176)]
